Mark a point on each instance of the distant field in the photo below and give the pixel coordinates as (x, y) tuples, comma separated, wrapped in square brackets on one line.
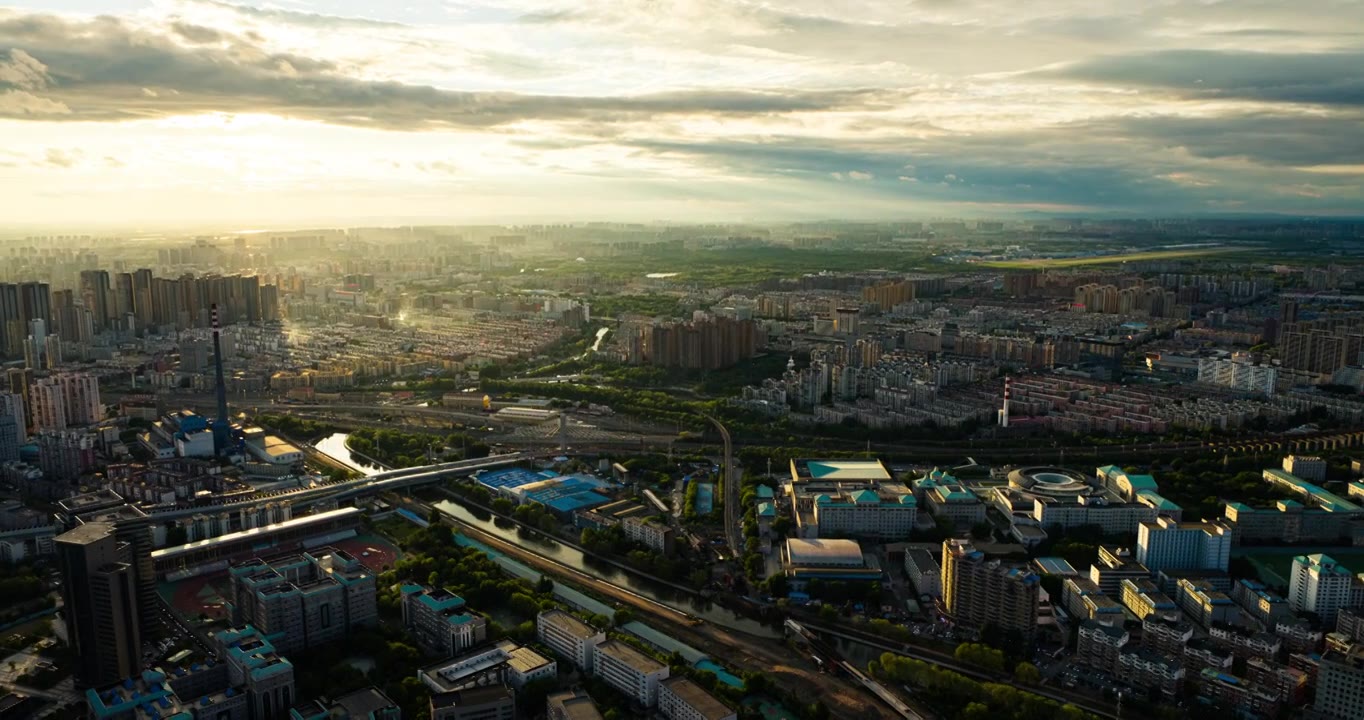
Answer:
[(1276, 566), (1040, 263)]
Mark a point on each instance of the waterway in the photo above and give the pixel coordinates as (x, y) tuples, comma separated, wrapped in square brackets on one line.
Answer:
[(334, 445), (574, 558)]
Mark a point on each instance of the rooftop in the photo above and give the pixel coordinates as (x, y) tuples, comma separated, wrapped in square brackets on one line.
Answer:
[(701, 701), (629, 656), (86, 534), (824, 552), (1055, 566), (242, 535), (865, 471), (364, 703), (567, 624), (575, 707)]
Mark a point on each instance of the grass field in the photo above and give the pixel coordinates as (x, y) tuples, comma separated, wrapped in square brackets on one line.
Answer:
[(1043, 263), (1275, 567)]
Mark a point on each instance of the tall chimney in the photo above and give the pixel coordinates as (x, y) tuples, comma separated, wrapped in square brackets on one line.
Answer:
[(221, 426), (1004, 411)]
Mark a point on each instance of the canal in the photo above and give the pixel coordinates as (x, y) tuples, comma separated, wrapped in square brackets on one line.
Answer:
[(334, 446), (608, 573)]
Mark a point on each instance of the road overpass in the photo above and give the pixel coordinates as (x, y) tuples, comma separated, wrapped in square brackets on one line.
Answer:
[(389, 480)]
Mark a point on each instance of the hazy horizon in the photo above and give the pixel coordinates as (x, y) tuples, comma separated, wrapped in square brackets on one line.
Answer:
[(164, 114)]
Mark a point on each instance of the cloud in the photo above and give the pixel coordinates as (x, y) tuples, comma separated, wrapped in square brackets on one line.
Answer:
[(56, 157), (20, 70), (296, 17), (104, 69), (1315, 78), (198, 33)]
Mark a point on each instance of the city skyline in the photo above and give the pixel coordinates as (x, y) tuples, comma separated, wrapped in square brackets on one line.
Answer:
[(201, 112)]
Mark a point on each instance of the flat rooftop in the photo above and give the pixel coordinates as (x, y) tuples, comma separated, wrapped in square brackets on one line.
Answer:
[(86, 534), (629, 656), (244, 535), (701, 701), (864, 471), (568, 624), (824, 553)]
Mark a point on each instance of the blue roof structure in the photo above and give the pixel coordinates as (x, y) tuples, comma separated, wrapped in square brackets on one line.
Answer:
[(1055, 566), (571, 494), (766, 510), (764, 492), (510, 478)]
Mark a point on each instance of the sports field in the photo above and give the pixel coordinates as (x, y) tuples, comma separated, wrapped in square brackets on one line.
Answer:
[(374, 552), (1043, 263), (1276, 566)]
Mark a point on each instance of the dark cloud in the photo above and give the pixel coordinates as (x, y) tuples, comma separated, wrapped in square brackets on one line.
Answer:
[(1317, 78), (1262, 138), (99, 69)]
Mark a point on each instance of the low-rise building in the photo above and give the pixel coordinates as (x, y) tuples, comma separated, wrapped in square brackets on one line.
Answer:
[(647, 532), (1144, 598), (1232, 693), (1164, 635), (496, 702), (923, 571), (505, 663), (1141, 668), (571, 705), (681, 699), (1288, 683), (1201, 653), (1113, 566), (1258, 601), (1100, 644), (1205, 605), (630, 671), (439, 622), (1244, 642), (570, 637)]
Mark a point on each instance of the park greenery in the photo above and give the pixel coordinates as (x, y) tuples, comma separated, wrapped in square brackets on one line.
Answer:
[(955, 695), (400, 449), (611, 542)]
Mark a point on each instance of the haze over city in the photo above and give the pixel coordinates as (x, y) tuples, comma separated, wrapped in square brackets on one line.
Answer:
[(236, 115)]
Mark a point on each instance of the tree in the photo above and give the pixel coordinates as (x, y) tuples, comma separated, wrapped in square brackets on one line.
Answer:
[(981, 530), (1025, 673)]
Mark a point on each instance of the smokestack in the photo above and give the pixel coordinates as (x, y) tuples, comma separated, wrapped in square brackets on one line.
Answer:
[(1004, 411), (221, 427)]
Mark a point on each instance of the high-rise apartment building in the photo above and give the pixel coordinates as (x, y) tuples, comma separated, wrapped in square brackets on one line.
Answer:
[(12, 405), (979, 591), (47, 404), (1167, 544), (1340, 685), (703, 344), (1321, 585), (80, 392), (99, 590), (97, 297)]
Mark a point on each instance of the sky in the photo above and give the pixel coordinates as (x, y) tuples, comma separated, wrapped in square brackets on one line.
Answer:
[(158, 112)]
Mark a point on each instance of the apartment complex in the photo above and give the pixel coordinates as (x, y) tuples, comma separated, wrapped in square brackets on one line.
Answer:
[(707, 343), (570, 637), (439, 622), (1321, 585), (1238, 372), (1340, 685), (978, 591), (304, 600), (1167, 544), (630, 671)]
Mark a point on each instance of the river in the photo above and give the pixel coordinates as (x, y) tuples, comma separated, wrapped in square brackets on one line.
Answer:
[(334, 446), (574, 558)]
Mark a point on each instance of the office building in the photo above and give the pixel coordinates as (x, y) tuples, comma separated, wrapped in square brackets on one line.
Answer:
[(504, 663), (483, 703), (570, 637), (304, 600), (978, 591), (1340, 685), (439, 622), (1309, 468), (571, 705), (630, 671), (1114, 565), (1319, 584), (681, 699), (100, 603), (923, 571), (1167, 544)]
